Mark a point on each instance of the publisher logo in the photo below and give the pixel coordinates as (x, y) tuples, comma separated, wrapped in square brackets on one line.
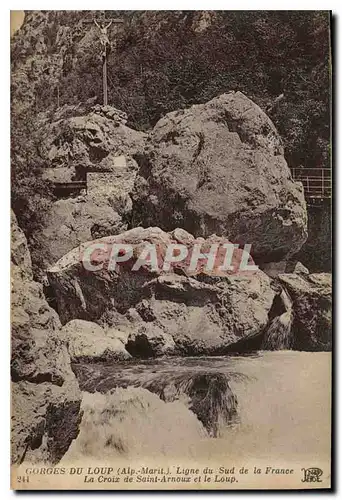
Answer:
[(312, 475)]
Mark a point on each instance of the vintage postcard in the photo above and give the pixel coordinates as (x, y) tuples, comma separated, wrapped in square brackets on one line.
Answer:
[(171, 250)]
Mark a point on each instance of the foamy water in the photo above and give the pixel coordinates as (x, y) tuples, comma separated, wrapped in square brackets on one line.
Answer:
[(283, 407)]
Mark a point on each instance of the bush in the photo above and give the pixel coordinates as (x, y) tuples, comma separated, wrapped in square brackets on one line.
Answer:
[(30, 194)]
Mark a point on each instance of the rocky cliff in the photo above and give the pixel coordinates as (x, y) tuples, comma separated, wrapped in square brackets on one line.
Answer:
[(212, 171), (56, 59), (99, 149), (214, 168), (45, 395), (56, 64)]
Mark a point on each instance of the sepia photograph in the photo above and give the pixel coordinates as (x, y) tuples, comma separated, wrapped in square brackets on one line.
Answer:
[(171, 249)]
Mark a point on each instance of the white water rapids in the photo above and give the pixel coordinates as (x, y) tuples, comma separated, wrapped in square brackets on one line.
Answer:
[(283, 406)]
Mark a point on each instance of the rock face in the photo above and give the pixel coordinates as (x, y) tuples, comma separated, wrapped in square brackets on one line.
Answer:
[(89, 342), (45, 394), (45, 420), (312, 306), (273, 269), (68, 223), (88, 142), (219, 168), (98, 149), (149, 340), (165, 311), (20, 255)]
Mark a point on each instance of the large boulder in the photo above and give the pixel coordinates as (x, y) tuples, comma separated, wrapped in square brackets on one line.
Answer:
[(96, 148), (164, 311), (273, 269), (20, 255), (219, 168), (45, 394), (312, 307), (88, 342), (88, 142), (149, 340), (69, 222), (208, 318)]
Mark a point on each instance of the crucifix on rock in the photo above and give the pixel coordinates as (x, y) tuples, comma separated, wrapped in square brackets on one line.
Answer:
[(103, 25)]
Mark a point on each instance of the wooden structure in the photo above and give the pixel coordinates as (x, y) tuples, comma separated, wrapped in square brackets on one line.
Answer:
[(103, 24), (317, 183), (66, 189)]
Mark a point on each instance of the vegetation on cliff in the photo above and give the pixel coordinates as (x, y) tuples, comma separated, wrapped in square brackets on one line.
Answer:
[(168, 60)]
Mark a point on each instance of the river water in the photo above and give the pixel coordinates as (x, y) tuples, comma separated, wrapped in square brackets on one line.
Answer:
[(267, 404)]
